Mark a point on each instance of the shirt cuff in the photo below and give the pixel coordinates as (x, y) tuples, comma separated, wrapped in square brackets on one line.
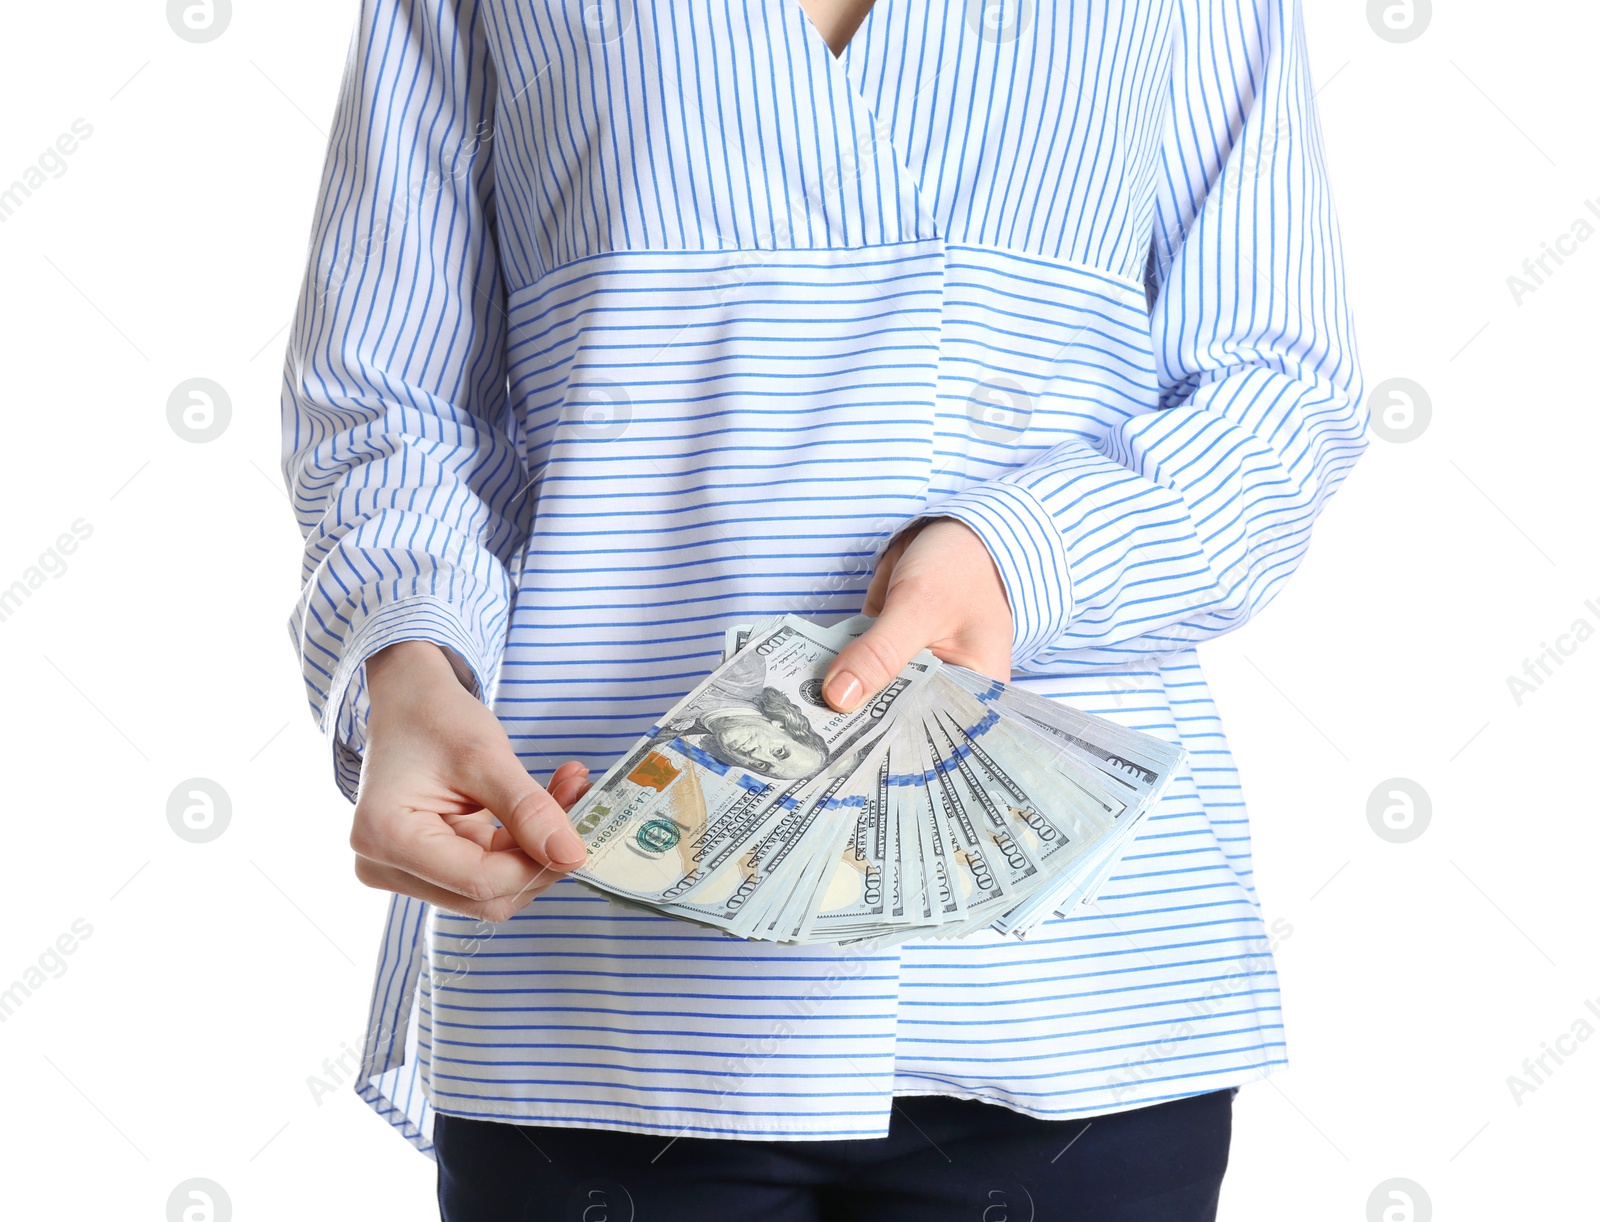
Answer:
[(1030, 553), (417, 618)]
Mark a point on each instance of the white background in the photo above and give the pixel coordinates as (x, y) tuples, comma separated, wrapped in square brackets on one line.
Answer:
[(218, 977)]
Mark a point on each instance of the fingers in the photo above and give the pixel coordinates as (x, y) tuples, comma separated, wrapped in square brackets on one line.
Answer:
[(407, 837), (493, 909), (904, 627), (480, 828), (567, 783), (533, 817), (991, 657), (878, 588), (424, 844), (569, 769), (569, 793)]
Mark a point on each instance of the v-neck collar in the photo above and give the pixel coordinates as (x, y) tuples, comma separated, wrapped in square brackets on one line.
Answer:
[(855, 35), (845, 65), (859, 127)]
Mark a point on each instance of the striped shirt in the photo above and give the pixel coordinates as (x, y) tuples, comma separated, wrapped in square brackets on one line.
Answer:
[(627, 319)]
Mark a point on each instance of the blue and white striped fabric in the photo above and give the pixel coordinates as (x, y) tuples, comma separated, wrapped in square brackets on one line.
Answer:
[(628, 319)]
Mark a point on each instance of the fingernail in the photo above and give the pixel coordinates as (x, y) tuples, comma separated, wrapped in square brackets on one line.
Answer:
[(844, 689), (564, 848)]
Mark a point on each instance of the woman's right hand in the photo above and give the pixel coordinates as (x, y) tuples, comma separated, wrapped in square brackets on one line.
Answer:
[(438, 769)]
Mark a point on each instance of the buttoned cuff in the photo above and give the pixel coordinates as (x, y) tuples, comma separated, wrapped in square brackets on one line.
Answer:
[(1030, 553)]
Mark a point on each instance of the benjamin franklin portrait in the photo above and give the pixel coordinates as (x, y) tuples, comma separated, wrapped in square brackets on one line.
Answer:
[(742, 721)]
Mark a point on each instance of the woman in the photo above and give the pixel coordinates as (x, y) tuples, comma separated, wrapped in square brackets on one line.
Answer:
[(1018, 325)]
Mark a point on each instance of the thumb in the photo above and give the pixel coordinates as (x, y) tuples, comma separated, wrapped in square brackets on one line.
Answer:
[(534, 819), (866, 665)]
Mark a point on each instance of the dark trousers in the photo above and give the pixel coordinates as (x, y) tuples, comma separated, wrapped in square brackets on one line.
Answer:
[(943, 1159)]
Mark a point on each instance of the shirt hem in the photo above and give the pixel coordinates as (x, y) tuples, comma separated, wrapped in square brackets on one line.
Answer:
[(825, 1128), (1221, 1080)]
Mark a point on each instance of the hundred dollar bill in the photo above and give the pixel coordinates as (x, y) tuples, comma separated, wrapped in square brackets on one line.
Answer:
[(943, 898), (921, 893), (1145, 757), (741, 898), (1137, 758), (1057, 802), (865, 886), (1090, 753), (735, 635), (996, 871), (944, 804), (727, 762), (658, 824), (807, 884), (763, 709), (855, 890)]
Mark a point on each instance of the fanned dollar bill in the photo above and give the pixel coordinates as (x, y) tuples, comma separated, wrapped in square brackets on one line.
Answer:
[(946, 803)]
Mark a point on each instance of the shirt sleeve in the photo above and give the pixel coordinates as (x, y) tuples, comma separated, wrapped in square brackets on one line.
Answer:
[(1178, 524), (397, 450)]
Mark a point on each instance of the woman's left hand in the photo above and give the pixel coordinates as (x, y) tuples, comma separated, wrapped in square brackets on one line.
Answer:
[(936, 588)]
